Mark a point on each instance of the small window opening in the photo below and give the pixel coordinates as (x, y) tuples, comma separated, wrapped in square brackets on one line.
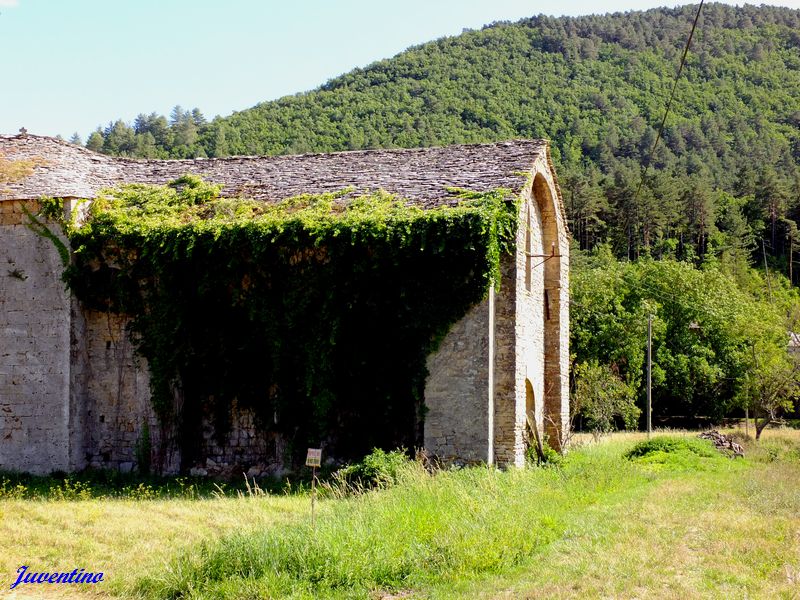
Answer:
[(546, 305)]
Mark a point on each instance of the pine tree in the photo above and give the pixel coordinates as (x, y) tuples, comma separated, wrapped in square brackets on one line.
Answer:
[(95, 141)]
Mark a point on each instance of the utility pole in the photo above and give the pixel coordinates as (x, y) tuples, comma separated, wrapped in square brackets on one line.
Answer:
[(791, 243), (747, 421), (766, 269), (649, 376)]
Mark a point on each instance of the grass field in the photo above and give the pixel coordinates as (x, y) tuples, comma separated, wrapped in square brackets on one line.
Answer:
[(122, 538), (686, 523)]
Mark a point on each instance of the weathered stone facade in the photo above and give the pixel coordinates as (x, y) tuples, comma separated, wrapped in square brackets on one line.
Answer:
[(111, 391), (35, 319), (509, 356), (73, 393)]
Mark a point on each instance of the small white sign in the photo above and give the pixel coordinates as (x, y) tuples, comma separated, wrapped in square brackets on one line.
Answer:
[(314, 457)]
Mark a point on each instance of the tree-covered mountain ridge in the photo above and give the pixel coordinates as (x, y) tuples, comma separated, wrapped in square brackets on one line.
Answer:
[(502, 61), (597, 87)]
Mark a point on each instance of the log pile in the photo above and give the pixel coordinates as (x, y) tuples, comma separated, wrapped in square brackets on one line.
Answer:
[(723, 443)]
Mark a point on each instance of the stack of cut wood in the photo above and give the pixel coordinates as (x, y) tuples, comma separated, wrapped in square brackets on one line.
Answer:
[(723, 443)]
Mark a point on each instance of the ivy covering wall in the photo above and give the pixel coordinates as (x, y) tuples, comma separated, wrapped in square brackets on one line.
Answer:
[(317, 312)]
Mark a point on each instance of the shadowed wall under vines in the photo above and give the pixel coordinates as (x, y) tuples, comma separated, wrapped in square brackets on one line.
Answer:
[(317, 312)]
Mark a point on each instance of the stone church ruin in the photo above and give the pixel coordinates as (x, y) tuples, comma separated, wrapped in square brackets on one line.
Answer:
[(74, 394)]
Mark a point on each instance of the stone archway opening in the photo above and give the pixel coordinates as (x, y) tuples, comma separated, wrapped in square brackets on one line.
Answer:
[(552, 418), (533, 437)]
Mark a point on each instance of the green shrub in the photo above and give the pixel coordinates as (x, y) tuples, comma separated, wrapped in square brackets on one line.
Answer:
[(669, 445), (601, 397), (71, 490), (550, 457), (379, 469), (675, 453), (12, 491)]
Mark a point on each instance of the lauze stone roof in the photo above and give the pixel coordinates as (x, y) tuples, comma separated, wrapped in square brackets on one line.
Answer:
[(420, 175)]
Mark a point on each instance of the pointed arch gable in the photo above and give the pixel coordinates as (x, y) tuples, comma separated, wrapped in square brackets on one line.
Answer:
[(545, 193)]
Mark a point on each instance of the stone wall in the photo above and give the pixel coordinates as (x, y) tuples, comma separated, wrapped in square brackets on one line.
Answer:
[(556, 285), (507, 444), (114, 397), (73, 394), (247, 447), (112, 394), (457, 391), (35, 320)]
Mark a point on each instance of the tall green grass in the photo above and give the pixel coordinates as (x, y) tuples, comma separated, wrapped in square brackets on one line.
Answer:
[(110, 485), (425, 531)]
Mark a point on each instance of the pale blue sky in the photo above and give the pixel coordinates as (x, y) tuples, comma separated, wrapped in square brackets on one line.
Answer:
[(70, 65)]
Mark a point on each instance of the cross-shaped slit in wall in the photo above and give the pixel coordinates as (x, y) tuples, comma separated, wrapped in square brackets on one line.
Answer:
[(546, 257)]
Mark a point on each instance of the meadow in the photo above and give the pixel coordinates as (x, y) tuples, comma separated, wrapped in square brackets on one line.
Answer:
[(676, 520)]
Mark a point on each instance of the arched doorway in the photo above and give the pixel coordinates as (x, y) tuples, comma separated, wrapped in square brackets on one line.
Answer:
[(533, 437)]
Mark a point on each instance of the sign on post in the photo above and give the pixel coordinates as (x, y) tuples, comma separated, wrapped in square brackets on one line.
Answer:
[(313, 460), (314, 457)]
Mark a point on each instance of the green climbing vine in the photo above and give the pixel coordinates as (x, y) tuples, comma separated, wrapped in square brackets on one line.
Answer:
[(51, 209), (318, 312)]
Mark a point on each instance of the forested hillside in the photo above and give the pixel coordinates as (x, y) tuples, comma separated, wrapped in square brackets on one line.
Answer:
[(726, 174)]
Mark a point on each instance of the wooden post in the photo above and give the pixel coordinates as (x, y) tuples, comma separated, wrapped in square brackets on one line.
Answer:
[(313, 496), (314, 460)]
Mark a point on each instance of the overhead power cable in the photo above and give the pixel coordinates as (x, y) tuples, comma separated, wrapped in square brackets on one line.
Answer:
[(660, 133)]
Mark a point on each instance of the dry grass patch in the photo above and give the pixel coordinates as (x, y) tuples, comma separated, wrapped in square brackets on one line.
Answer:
[(122, 538)]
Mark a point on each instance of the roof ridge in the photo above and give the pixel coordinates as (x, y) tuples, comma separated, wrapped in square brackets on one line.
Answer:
[(128, 159), (421, 175)]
